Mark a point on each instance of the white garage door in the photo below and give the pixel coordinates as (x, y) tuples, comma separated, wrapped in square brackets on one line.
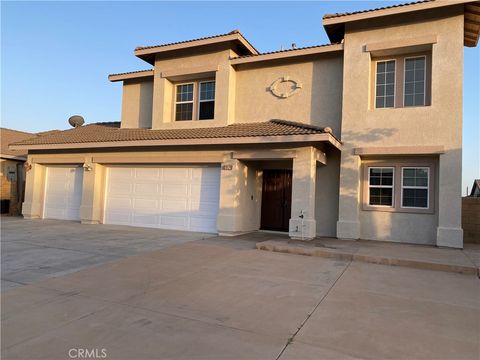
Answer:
[(180, 198), (63, 192)]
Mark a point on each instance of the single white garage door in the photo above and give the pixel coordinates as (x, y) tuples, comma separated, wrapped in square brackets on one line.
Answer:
[(63, 192), (180, 198)]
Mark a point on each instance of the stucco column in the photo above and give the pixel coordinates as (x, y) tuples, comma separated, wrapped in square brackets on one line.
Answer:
[(302, 223), (449, 230), (348, 224), (91, 210), (162, 101), (34, 191), (225, 80), (239, 208)]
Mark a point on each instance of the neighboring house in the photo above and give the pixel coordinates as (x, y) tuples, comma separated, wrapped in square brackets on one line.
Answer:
[(12, 174), (360, 138), (475, 189)]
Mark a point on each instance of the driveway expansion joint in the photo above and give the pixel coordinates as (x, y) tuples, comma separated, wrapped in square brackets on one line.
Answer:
[(309, 315)]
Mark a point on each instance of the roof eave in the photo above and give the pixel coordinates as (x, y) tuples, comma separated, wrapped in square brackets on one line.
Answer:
[(324, 137), (146, 54), (287, 54), (127, 76), (334, 26), (392, 11), (13, 157)]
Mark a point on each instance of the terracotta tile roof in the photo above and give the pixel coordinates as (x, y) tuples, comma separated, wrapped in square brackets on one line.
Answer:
[(8, 136), (193, 40), (111, 132), (131, 72), (286, 50), (329, 16)]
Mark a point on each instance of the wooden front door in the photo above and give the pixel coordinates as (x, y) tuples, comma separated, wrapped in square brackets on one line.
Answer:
[(276, 199)]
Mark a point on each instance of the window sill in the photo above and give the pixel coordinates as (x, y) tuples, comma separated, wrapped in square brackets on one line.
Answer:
[(429, 211), (401, 107)]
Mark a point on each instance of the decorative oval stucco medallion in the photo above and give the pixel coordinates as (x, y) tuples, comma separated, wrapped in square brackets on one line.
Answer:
[(284, 92)]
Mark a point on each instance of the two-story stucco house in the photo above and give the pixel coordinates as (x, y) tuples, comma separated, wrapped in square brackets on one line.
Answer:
[(357, 139)]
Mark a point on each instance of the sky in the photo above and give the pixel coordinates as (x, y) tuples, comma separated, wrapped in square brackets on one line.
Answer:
[(56, 56)]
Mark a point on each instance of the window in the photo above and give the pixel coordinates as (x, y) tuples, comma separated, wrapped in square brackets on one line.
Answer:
[(414, 86), (206, 100), (380, 186), (184, 102), (195, 101), (415, 187), (399, 185), (385, 84)]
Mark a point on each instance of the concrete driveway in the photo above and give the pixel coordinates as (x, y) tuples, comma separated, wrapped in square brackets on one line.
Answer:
[(35, 249), (219, 298)]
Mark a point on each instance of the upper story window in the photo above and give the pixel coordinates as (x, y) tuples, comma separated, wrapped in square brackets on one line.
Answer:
[(184, 102), (206, 104), (401, 81), (414, 89), (195, 101), (385, 84)]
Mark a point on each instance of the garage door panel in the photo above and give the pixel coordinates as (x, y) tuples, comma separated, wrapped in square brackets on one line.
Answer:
[(63, 193), (118, 217), (173, 222), (120, 188), (203, 209), (174, 205), (205, 193), (146, 205), (151, 190), (122, 172), (175, 190), (164, 197), (120, 203), (174, 174), (145, 174)]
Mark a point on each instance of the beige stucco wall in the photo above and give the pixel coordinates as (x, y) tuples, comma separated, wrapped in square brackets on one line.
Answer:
[(326, 194), (213, 64), (137, 101), (438, 124), (318, 102), (242, 93)]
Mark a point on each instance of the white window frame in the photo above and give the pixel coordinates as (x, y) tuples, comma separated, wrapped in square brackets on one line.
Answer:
[(394, 85), (200, 101), (382, 186), (424, 80), (185, 102), (415, 187)]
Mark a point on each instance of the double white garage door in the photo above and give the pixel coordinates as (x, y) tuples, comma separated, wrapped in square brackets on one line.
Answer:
[(180, 198)]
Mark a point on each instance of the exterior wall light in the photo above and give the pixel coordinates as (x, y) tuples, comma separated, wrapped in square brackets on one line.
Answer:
[(87, 167)]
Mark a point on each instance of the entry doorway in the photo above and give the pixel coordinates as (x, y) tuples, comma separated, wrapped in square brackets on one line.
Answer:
[(276, 200)]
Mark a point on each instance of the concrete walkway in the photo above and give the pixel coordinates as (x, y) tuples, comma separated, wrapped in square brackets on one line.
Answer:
[(465, 261)]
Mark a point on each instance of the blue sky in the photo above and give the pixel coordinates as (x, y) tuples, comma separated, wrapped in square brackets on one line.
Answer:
[(56, 56)]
